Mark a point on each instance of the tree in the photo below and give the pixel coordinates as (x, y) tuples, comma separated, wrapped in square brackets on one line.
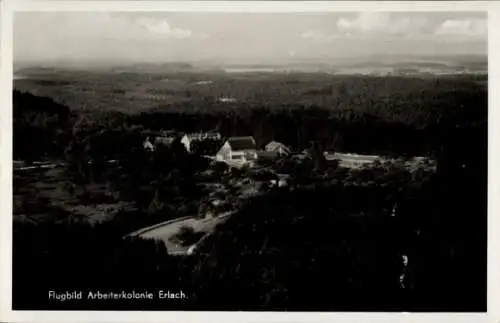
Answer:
[(317, 154)]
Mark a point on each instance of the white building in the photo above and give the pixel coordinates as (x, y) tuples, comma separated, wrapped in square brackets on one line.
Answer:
[(188, 139), (238, 150)]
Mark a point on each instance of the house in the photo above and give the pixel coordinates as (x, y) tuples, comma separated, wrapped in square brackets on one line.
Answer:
[(278, 148), (238, 150), (188, 139)]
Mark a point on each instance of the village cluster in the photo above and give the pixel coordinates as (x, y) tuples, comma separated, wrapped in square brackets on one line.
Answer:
[(235, 151), (224, 193), (243, 151)]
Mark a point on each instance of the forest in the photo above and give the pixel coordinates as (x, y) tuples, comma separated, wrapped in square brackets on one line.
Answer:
[(332, 246)]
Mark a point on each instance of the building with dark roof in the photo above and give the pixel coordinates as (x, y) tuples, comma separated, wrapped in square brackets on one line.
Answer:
[(242, 143), (241, 150)]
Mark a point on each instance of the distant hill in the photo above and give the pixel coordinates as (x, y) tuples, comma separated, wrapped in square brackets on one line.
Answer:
[(472, 63), (33, 69)]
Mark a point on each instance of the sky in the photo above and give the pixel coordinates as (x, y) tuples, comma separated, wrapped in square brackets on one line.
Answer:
[(242, 37)]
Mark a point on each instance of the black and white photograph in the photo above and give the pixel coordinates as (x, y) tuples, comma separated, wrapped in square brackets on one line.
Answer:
[(250, 161)]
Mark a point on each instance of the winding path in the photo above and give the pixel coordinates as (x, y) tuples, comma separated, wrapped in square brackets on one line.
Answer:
[(166, 230)]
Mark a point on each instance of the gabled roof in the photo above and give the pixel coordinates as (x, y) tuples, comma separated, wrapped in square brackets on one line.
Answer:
[(242, 143), (275, 146)]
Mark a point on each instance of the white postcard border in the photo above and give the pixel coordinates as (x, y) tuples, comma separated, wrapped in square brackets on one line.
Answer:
[(8, 7)]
